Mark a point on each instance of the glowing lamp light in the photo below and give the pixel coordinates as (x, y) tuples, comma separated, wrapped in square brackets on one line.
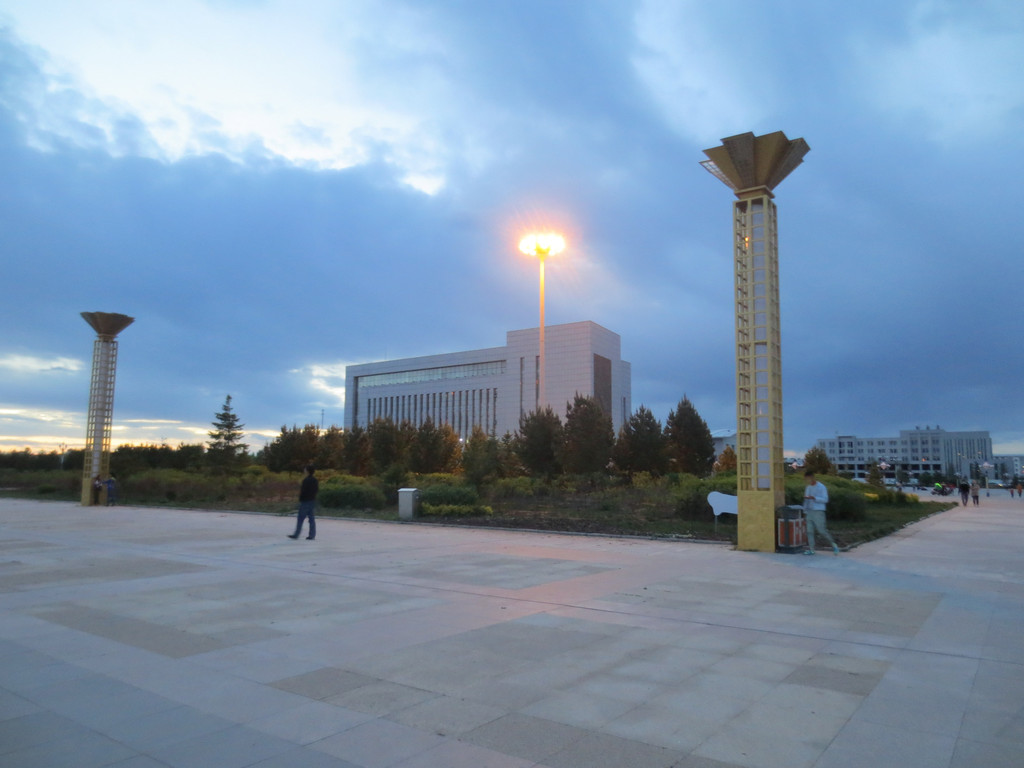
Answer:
[(542, 245)]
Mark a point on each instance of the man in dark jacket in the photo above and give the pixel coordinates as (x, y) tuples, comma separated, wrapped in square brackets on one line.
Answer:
[(307, 504)]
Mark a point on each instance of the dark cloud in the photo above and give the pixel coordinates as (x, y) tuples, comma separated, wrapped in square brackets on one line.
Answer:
[(899, 264)]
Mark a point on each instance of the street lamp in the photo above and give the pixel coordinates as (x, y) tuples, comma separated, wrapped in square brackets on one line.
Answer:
[(986, 466), (542, 246)]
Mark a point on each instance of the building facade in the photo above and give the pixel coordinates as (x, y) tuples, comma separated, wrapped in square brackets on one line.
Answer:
[(493, 387), (931, 450)]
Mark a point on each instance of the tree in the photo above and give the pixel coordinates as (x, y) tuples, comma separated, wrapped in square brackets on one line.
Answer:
[(875, 476), (480, 457), (817, 461), (726, 461), (357, 452), (331, 452), (293, 449), (539, 442), (225, 450), (587, 437), (689, 440), (390, 444), (434, 449), (384, 445), (641, 444)]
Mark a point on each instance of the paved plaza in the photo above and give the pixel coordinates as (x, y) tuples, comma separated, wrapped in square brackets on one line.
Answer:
[(141, 638)]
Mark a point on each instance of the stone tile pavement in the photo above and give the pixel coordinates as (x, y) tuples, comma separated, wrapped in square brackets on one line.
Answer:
[(141, 638)]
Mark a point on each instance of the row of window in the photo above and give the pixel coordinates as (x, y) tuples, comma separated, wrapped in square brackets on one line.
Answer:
[(461, 409), (441, 373)]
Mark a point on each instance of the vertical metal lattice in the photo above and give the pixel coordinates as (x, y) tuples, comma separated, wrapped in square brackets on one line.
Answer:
[(758, 347), (101, 408)]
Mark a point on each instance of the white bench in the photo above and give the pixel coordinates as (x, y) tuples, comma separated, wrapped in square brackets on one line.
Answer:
[(723, 504)]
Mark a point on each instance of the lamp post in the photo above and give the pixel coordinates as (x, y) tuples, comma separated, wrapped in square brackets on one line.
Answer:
[(542, 246), (986, 466), (885, 467)]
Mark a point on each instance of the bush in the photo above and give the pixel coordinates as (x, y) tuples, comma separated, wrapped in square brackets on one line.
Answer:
[(46, 488), (512, 487), (352, 496), (436, 478), (455, 510), (847, 504), (449, 494)]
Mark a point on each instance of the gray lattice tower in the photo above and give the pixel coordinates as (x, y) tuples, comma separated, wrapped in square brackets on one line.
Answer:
[(101, 396)]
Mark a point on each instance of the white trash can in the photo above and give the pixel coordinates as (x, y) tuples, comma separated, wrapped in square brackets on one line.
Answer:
[(408, 503)]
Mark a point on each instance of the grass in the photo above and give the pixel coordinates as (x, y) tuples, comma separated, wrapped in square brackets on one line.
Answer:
[(652, 511)]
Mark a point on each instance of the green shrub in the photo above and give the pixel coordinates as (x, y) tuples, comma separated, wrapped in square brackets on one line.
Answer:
[(355, 496), (847, 504), (436, 478), (449, 494), (46, 488), (455, 510), (512, 487)]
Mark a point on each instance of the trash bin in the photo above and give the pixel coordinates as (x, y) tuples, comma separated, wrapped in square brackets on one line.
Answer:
[(408, 503), (792, 529)]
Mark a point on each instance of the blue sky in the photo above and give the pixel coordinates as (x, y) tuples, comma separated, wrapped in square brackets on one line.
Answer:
[(277, 189)]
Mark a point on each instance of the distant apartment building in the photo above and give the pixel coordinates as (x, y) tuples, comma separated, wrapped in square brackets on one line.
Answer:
[(914, 451), (1008, 467), (493, 387)]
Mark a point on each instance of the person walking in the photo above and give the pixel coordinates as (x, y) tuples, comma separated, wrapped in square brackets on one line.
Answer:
[(815, 499), (307, 504), (111, 484), (1020, 491), (975, 492), (965, 491)]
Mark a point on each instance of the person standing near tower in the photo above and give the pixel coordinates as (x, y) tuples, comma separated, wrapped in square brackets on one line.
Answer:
[(307, 504), (815, 499)]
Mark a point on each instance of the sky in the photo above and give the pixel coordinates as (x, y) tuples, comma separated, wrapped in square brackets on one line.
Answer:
[(275, 189)]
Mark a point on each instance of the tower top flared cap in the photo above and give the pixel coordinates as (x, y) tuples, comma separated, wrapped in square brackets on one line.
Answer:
[(107, 324), (748, 162)]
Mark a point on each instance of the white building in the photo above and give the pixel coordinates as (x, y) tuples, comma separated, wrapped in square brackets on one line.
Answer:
[(492, 388), (1007, 467), (932, 450)]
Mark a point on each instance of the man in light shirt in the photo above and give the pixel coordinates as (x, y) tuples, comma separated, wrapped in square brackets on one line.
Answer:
[(815, 499)]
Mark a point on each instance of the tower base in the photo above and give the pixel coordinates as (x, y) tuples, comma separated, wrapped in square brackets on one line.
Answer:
[(755, 523)]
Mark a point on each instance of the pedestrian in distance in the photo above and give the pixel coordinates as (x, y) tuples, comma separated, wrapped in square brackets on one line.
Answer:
[(111, 491), (307, 504), (97, 486), (1020, 491), (965, 491), (815, 500), (975, 492)]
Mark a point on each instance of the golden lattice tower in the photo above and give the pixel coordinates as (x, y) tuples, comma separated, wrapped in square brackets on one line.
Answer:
[(101, 396), (752, 166)]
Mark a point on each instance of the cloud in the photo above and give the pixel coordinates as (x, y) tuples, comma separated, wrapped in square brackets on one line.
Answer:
[(949, 75), (27, 364), (699, 86)]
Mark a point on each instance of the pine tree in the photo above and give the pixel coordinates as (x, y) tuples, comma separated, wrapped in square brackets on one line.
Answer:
[(641, 444), (434, 449), (225, 452), (539, 442), (587, 438), (480, 457), (690, 444)]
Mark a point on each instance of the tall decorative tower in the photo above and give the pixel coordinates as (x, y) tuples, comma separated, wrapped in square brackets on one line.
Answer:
[(752, 167), (101, 396)]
